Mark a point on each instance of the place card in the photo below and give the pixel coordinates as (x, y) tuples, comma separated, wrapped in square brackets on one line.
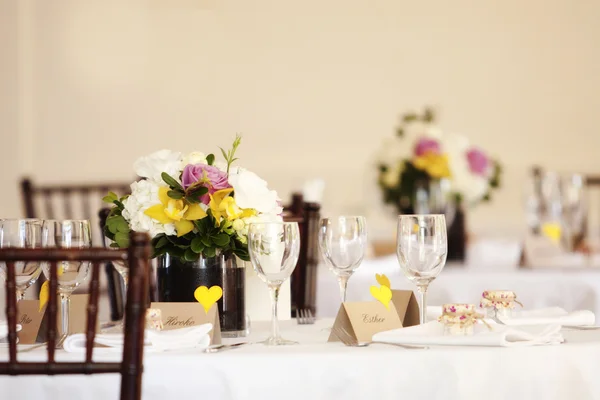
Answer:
[(77, 317), (364, 319), (184, 315), (30, 318)]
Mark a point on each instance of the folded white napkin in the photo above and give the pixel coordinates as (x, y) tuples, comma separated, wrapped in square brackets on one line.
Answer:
[(432, 333), (543, 316), (176, 339), (4, 329)]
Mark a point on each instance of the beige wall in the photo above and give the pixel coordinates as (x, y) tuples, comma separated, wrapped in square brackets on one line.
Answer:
[(314, 86)]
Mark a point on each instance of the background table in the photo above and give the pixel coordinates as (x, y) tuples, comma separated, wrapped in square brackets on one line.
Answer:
[(570, 289), (315, 369)]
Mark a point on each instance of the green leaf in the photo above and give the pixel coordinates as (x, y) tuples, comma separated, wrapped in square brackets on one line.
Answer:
[(114, 245), (189, 255), (206, 241), (122, 226), (122, 239), (197, 246), (197, 191), (210, 252), (163, 241), (210, 159), (221, 240), (170, 181), (174, 194)]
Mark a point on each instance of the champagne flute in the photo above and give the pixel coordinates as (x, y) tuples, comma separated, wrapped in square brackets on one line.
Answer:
[(25, 234), (343, 242), (422, 247), (68, 234), (123, 269), (274, 248)]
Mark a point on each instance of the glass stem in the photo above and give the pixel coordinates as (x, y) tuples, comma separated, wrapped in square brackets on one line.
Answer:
[(65, 303), (343, 282), (274, 322), (423, 309), (124, 293)]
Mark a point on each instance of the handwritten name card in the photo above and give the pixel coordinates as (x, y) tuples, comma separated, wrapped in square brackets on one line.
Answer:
[(366, 318), (184, 315)]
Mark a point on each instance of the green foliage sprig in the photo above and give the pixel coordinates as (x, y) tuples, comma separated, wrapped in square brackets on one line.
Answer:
[(116, 228)]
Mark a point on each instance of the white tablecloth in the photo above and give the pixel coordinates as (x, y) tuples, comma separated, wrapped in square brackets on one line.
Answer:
[(328, 371), (569, 289)]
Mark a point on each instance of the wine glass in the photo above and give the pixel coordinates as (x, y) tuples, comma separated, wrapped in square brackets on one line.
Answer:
[(274, 248), (343, 241), (25, 234), (422, 247), (68, 234), (123, 269)]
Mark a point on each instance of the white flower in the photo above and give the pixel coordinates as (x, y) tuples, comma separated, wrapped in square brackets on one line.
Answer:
[(194, 158), (144, 194), (153, 165), (252, 192), (471, 186), (391, 177)]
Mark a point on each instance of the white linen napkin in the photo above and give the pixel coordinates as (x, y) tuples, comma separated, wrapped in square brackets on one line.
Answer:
[(4, 330), (542, 316), (176, 339), (432, 333)]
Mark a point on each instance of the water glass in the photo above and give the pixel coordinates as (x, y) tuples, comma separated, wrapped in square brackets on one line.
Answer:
[(68, 234), (343, 242), (23, 234), (422, 247), (274, 248)]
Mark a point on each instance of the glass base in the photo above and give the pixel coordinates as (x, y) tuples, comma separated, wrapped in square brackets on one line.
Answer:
[(234, 334), (277, 341), (112, 327)]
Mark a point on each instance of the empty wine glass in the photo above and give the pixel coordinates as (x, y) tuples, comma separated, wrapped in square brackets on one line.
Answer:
[(422, 247), (343, 241), (274, 248), (123, 269), (68, 234), (25, 234)]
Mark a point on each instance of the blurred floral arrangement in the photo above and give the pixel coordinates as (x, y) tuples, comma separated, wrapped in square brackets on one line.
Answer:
[(192, 205), (421, 152)]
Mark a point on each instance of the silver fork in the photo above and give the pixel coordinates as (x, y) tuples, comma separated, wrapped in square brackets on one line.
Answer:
[(580, 328), (305, 317), (351, 341)]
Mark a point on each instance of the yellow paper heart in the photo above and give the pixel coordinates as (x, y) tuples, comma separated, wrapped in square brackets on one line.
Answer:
[(552, 231), (383, 280), (207, 297), (44, 294), (383, 294)]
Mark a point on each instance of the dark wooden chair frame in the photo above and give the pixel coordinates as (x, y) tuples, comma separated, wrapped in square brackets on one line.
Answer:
[(304, 278), (130, 368)]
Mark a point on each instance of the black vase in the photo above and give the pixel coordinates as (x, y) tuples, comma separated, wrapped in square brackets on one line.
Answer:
[(177, 280)]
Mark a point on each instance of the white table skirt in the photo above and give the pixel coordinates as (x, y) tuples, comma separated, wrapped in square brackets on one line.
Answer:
[(570, 289), (328, 371)]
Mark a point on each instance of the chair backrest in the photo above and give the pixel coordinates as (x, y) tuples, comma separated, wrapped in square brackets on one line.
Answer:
[(130, 368), (67, 201), (304, 277)]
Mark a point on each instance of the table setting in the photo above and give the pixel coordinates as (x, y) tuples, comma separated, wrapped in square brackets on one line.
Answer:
[(208, 218)]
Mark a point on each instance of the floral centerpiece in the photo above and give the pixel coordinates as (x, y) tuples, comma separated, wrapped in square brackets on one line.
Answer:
[(423, 165), (192, 205), (421, 152), (197, 211)]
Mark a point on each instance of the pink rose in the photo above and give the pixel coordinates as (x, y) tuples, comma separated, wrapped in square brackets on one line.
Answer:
[(210, 177)]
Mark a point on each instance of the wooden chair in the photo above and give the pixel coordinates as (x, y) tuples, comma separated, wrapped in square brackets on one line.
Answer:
[(130, 367), (304, 277), (77, 201)]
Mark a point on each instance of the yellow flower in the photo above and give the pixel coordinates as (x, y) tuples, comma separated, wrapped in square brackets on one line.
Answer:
[(177, 212), (223, 206), (436, 165)]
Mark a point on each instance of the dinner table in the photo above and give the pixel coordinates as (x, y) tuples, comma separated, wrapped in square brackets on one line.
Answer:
[(317, 369)]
